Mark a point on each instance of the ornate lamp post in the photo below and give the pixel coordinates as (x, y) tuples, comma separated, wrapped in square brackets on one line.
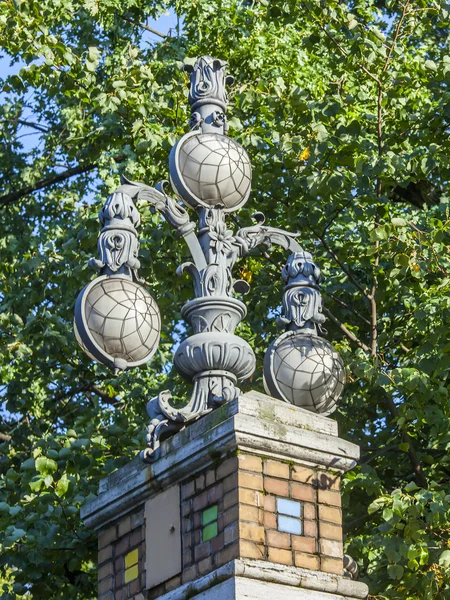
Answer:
[(117, 321)]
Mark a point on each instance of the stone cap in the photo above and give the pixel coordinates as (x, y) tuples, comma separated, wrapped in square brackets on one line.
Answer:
[(333, 587), (253, 423)]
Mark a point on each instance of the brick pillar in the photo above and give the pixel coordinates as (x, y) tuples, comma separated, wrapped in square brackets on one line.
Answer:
[(244, 503)]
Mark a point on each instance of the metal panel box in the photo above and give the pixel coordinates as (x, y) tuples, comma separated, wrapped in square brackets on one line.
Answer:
[(163, 536)]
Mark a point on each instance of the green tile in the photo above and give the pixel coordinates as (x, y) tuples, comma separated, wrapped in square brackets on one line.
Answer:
[(210, 514), (210, 531)]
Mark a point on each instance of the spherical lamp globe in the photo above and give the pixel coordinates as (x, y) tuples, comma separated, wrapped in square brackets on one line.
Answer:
[(305, 370), (211, 170), (117, 322)]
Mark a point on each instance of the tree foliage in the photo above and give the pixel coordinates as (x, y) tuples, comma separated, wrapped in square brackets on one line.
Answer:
[(344, 108)]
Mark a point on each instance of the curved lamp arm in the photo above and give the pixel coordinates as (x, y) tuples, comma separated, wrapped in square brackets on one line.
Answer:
[(174, 214), (261, 235)]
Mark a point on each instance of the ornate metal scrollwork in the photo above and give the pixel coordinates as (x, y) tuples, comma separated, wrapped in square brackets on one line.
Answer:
[(213, 358), (118, 244), (208, 79), (117, 322), (302, 301)]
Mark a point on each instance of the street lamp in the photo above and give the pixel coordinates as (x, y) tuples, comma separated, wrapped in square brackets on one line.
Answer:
[(117, 321)]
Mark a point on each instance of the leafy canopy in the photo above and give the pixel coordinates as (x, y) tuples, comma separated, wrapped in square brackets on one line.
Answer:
[(344, 109)]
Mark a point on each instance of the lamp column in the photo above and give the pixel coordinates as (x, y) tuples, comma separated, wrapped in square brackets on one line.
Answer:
[(236, 496)]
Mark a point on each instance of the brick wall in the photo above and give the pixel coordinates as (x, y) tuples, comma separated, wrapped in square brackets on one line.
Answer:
[(245, 489), (241, 496), (214, 487), (114, 544)]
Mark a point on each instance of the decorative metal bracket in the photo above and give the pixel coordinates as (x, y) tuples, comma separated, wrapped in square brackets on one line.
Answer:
[(118, 241)]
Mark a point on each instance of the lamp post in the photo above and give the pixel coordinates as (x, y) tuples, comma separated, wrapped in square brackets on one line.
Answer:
[(117, 321)]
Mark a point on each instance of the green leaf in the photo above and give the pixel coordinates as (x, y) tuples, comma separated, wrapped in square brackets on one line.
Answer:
[(444, 559), (388, 514), (37, 485), (376, 505), (62, 485), (402, 260), (395, 571), (411, 486), (379, 233), (93, 53), (399, 222), (46, 466), (28, 465)]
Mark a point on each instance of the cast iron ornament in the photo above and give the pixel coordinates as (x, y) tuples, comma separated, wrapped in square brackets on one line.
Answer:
[(117, 322), (300, 367), (211, 174)]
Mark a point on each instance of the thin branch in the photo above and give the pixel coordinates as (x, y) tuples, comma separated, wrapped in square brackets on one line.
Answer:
[(396, 34), (68, 521), (334, 216), (33, 125), (341, 264), (87, 386), (341, 48), (146, 27), (11, 197), (414, 459), (421, 480), (368, 455), (69, 394), (351, 336), (379, 190), (373, 312), (103, 395), (345, 305)]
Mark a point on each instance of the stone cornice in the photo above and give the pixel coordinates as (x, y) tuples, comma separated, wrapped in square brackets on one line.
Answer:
[(333, 587), (254, 422)]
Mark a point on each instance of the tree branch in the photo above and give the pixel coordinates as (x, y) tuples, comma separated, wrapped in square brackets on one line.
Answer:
[(379, 190), (11, 197), (341, 48), (373, 313), (345, 305), (413, 458), (351, 336), (341, 264), (335, 215), (146, 27), (103, 395), (87, 386), (33, 125), (396, 34)]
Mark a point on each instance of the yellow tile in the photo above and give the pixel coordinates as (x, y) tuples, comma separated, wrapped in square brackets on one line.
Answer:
[(131, 558), (131, 573)]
